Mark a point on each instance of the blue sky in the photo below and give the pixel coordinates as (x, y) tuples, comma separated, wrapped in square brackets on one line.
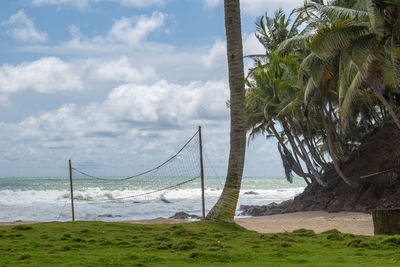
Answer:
[(119, 85)]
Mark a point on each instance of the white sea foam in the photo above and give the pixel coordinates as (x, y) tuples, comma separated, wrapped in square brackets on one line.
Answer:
[(107, 203)]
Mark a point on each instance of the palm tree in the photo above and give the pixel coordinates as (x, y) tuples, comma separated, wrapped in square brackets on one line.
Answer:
[(372, 42), (344, 85), (225, 207), (307, 106)]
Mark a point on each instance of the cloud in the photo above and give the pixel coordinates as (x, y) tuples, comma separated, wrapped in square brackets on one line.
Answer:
[(46, 75), (259, 7), (133, 31), (119, 70), (164, 102), (251, 45), (140, 3), (132, 119), (82, 4), (21, 28), (213, 3), (125, 33), (130, 109), (216, 55)]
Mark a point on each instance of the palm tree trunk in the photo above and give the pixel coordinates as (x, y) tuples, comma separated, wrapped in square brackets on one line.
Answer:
[(314, 155), (317, 152), (332, 151), (383, 100), (225, 207), (334, 135), (294, 163), (303, 154)]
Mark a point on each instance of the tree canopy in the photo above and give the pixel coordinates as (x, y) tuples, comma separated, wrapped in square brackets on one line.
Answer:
[(329, 77)]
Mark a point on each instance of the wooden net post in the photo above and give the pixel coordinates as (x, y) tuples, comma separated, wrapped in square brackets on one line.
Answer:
[(72, 191), (202, 175)]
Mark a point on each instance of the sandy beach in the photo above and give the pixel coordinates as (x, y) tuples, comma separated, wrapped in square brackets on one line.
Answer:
[(319, 221)]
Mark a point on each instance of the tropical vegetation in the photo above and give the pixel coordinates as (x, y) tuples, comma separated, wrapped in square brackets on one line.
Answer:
[(328, 79)]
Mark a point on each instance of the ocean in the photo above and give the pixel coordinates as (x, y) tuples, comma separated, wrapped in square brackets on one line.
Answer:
[(48, 198)]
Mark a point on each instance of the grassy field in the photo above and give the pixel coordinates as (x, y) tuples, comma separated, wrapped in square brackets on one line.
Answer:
[(192, 244)]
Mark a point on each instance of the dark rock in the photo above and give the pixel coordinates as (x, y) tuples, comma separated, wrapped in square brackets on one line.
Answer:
[(184, 216), (374, 166), (250, 193), (108, 216), (256, 210), (163, 199), (105, 216)]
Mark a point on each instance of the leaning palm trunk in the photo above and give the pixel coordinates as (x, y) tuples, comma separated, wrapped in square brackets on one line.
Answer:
[(303, 154), (383, 100), (331, 149), (225, 207)]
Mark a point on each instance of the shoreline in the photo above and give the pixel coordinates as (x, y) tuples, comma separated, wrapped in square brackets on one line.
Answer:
[(319, 221)]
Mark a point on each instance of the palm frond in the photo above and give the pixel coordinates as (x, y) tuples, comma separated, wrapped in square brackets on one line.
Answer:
[(362, 47), (330, 39), (293, 41), (349, 98), (335, 13)]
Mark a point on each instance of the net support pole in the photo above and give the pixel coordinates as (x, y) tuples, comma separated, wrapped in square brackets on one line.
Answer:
[(72, 191), (202, 175)]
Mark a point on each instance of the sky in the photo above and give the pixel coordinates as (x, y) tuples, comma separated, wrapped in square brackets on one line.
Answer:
[(118, 86)]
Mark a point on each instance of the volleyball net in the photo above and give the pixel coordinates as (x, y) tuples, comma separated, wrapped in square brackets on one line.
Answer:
[(175, 185)]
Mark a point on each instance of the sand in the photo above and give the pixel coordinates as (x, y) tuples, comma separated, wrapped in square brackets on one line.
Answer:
[(319, 221), (18, 223)]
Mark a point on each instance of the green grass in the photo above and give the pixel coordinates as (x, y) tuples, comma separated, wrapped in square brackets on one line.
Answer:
[(191, 244)]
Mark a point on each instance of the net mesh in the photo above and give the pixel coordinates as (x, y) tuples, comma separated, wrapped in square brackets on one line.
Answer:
[(169, 184)]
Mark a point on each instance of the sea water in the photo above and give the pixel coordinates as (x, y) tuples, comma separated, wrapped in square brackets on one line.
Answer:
[(48, 199)]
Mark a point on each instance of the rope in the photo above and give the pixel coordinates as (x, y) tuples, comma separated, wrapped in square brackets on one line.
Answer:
[(59, 215), (212, 167), (140, 174), (152, 192)]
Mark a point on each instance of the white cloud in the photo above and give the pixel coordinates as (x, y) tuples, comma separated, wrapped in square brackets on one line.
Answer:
[(120, 70), (46, 75), (77, 3), (132, 119), (168, 103), (124, 33), (140, 3), (213, 3), (259, 7), (216, 57), (133, 31), (85, 3), (21, 28), (128, 107), (251, 45)]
